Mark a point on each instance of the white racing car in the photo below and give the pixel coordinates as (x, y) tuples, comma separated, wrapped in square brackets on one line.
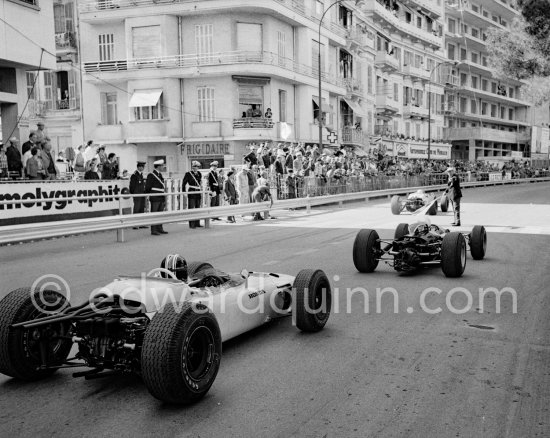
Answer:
[(417, 200), (168, 327)]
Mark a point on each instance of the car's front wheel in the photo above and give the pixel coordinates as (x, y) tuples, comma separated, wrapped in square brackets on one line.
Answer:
[(313, 300), (453, 254), (478, 242), (395, 204), (365, 249), (181, 353), (28, 353)]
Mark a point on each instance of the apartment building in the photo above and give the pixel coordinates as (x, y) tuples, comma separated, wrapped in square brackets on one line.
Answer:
[(486, 118), (55, 100), (203, 80), (28, 21), (409, 47)]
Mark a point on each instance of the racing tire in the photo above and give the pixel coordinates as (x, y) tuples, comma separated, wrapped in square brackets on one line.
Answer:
[(181, 353), (20, 351), (395, 205), (444, 203), (400, 231), (478, 242), (195, 267), (432, 211), (312, 300), (364, 247), (453, 254)]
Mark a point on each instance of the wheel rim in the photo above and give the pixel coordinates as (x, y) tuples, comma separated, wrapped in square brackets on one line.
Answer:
[(199, 352), (33, 338), (463, 254), (322, 307)]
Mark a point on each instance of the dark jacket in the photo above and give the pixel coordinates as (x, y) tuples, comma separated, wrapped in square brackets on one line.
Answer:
[(193, 180), (90, 174), (137, 183), (229, 191), (110, 170), (214, 182), (155, 185), (14, 159), (27, 146), (454, 187)]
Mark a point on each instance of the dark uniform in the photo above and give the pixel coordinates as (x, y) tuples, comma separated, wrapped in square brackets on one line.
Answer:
[(192, 179), (215, 187), (137, 186), (155, 185), (455, 193)]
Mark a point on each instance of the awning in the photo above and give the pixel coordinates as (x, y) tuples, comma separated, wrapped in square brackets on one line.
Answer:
[(145, 98), (354, 106)]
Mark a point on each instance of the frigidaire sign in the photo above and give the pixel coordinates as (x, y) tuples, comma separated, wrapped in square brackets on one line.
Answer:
[(196, 149)]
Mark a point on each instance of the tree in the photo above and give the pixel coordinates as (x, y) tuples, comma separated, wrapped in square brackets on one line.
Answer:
[(523, 50)]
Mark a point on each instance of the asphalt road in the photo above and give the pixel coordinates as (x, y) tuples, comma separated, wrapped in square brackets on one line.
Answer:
[(370, 373)]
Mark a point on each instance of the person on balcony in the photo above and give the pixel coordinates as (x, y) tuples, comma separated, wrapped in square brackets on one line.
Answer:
[(268, 114), (256, 111)]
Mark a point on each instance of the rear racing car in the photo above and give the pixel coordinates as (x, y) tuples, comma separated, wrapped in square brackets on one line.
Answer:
[(167, 326), (417, 200), (418, 245)]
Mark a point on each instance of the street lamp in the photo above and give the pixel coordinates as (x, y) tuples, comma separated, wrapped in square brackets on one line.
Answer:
[(358, 3), (452, 63)]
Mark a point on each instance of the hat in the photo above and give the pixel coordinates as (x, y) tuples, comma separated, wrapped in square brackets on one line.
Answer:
[(140, 163), (214, 163), (195, 164), (158, 163)]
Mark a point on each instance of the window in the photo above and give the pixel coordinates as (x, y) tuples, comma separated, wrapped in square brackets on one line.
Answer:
[(451, 25), (396, 92), (206, 104), (450, 51), (48, 89), (282, 105), (31, 88), (69, 17), (146, 42), (369, 79), (484, 107), (109, 108), (511, 92), (319, 7), (407, 129), (473, 106), (474, 82), (430, 64), (147, 105), (493, 87), (204, 34), (475, 33), (463, 102), (281, 47), (510, 113), (463, 55), (463, 79), (419, 22), (475, 57), (106, 47), (418, 128), (418, 61), (493, 110), (59, 18), (484, 84), (408, 57)]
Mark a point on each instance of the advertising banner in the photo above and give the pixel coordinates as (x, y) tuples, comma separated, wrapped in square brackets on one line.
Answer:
[(437, 151), (43, 200)]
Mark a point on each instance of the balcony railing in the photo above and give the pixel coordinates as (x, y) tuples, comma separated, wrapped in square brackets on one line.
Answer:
[(416, 112), (386, 62), (416, 72), (400, 25), (65, 40), (354, 136), (213, 59), (252, 123), (486, 134), (383, 130), (358, 38), (39, 108), (354, 86), (428, 5)]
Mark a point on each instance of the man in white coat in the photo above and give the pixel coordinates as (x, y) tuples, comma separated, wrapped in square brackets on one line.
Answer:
[(242, 185)]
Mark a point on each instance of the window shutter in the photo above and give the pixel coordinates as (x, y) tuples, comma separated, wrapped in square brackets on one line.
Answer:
[(146, 42), (59, 18), (72, 89), (103, 108), (69, 14)]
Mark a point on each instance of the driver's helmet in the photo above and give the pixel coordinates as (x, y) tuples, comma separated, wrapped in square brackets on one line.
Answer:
[(176, 264), (419, 226), (417, 194)]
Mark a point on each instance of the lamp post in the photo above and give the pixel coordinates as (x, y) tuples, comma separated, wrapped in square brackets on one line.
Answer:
[(358, 3), (453, 63)]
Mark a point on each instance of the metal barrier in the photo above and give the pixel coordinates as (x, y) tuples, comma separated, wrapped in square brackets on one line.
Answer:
[(27, 232)]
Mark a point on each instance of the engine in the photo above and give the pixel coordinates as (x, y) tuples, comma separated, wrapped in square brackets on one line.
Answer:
[(111, 342), (414, 204), (410, 253)]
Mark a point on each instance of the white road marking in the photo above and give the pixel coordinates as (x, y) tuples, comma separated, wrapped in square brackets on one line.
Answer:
[(271, 262)]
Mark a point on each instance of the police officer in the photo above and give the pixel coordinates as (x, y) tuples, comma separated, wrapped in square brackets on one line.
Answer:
[(455, 193), (192, 180), (137, 187), (215, 186), (155, 185)]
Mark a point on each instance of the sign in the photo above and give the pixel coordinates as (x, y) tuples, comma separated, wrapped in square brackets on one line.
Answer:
[(437, 151), (401, 150), (201, 149), (41, 205), (517, 154), (332, 137)]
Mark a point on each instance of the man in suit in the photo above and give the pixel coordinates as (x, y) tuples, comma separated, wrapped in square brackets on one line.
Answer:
[(28, 145), (14, 157), (192, 180), (49, 162), (214, 186), (137, 187), (455, 193), (155, 185), (230, 192)]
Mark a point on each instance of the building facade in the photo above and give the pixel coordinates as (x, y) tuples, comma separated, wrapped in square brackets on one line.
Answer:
[(486, 118), (30, 27)]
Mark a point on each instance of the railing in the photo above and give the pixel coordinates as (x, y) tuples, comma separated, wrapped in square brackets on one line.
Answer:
[(213, 59), (253, 123), (359, 36), (416, 72), (415, 111), (27, 232), (385, 61), (487, 134), (354, 136), (426, 4), (65, 40), (383, 130), (353, 86)]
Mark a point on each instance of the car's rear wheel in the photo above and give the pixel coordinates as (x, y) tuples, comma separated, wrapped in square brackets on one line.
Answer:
[(181, 353), (26, 353), (453, 254), (400, 231), (444, 203), (478, 242), (365, 250), (395, 204), (194, 267), (313, 300)]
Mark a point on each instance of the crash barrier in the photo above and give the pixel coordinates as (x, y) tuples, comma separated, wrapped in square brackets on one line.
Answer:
[(28, 232)]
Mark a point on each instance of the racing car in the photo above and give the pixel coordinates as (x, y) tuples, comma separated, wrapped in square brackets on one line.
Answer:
[(167, 326), (417, 200), (418, 245)]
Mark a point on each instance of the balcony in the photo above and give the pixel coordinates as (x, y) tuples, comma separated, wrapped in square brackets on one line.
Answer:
[(471, 14), (218, 62), (358, 40), (386, 107), (383, 130), (428, 7), (415, 112), (65, 41), (385, 62), (354, 87), (145, 131), (467, 90), (486, 134), (397, 22), (247, 128), (352, 136), (58, 108), (416, 73)]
